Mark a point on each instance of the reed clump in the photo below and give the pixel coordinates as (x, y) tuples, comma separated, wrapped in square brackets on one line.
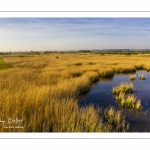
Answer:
[(132, 77), (116, 118), (124, 96), (129, 101), (112, 116), (138, 105), (123, 88), (141, 77)]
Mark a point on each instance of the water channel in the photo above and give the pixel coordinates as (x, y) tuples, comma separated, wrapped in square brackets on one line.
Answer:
[(101, 94)]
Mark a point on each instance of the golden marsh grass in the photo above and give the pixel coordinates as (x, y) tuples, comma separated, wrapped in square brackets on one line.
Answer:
[(141, 77), (132, 77), (42, 90), (116, 118), (123, 88), (107, 72), (124, 96), (124, 68), (129, 101)]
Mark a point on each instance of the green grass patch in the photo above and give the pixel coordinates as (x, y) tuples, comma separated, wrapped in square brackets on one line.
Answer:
[(3, 65)]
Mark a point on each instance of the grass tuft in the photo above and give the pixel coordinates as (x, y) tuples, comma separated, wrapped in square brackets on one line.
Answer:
[(129, 101), (138, 105), (132, 77), (115, 118), (124, 96), (141, 77), (123, 88)]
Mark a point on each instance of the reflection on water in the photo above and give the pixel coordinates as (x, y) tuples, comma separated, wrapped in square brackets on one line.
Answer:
[(106, 79), (101, 94)]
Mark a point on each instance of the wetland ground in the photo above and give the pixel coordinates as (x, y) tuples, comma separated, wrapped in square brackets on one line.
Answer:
[(71, 92)]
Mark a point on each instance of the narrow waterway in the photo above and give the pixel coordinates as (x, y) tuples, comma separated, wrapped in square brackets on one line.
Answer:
[(101, 94)]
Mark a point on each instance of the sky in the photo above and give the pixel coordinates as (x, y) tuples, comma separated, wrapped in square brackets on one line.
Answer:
[(52, 34)]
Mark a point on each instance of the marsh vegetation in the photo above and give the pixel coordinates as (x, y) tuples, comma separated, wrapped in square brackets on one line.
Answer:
[(3, 65), (129, 101), (43, 91), (132, 77), (123, 88), (141, 77)]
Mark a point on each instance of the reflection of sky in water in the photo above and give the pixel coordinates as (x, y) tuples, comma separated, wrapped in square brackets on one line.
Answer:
[(101, 94)]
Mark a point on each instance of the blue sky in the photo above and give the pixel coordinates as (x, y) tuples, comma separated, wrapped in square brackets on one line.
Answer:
[(25, 34)]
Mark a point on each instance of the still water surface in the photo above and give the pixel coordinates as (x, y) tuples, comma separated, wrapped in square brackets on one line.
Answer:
[(101, 94)]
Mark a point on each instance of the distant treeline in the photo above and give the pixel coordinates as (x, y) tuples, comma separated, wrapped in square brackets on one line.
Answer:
[(125, 53), (120, 52), (102, 52)]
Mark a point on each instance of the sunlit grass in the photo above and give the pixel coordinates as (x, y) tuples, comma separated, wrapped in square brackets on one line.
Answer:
[(124, 96), (141, 77), (139, 66), (129, 101), (93, 76), (107, 72), (124, 69), (123, 88), (43, 90), (115, 118), (132, 77), (138, 105), (147, 67), (71, 73)]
